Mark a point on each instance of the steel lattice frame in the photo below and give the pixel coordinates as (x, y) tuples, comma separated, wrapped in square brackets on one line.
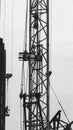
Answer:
[(39, 40), (36, 101)]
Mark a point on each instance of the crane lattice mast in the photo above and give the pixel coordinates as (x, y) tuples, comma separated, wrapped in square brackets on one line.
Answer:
[(36, 99)]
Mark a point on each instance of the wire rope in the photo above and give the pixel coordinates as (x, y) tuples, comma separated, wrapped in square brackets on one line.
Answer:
[(50, 61), (21, 91), (60, 104), (4, 24), (24, 45), (12, 36), (23, 72), (4, 19), (20, 114), (24, 81), (25, 30), (27, 78), (50, 85), (50, 34), (22, 76), (0, 9)]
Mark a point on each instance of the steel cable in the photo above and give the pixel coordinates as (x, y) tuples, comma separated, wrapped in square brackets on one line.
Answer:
[(4, 19), (60, 104), (0, 9), (12, 36), (25, 29), (50, 61), (23, 73)]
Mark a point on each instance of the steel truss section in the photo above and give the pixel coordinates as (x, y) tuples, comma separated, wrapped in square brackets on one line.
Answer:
[(36, 102), (56, 123), (39, 45)]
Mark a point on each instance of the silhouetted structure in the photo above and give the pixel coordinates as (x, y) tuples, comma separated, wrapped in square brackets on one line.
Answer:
[(2, 84), (35, 94), (36, 100)]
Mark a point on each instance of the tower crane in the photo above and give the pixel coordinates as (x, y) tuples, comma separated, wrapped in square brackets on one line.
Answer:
[(36, 99), (35, 84)]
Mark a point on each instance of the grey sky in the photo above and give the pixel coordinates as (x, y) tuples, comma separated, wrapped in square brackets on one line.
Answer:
[(62, 53)]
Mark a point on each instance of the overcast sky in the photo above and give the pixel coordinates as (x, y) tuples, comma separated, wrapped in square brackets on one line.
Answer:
[(61, 57)]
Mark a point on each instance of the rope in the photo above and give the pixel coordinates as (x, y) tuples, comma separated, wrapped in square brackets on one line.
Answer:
[(60, 104)]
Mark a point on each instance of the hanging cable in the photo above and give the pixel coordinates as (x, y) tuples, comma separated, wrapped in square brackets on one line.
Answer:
[(25, 30), (0, 9), (21, 91), (51, 31), (51, 21), (27, 79), (12, 36), (22, 75), (50, 85), (4, 19), (23, 72), (20, 115), (60, 104), (24, 45)]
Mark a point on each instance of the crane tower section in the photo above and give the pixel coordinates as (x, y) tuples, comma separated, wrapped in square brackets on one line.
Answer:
[(36, 100)]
